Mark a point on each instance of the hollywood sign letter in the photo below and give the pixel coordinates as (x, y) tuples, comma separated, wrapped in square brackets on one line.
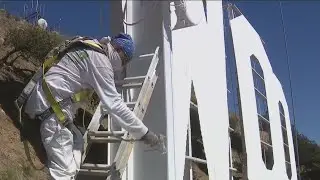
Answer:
[(198, 55), (269, 144)]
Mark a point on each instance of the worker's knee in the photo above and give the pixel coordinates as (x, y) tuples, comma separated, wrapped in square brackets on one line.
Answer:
[(52, 132), (60, 144), (57, 140)]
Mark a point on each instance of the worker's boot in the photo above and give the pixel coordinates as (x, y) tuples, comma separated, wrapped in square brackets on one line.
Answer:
[(155, 141)]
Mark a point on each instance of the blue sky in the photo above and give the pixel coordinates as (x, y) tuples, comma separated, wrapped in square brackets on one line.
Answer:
[(301, 22), (77, 17)]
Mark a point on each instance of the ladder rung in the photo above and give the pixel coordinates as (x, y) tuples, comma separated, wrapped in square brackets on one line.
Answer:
[(132, 85), (94, 172), (146, 55), (90, 166), (106, 133), (130, 79), (131, 104), (104, 140), (194, 159), (233, 169), (193, 106), (134, 78), (203, 161)]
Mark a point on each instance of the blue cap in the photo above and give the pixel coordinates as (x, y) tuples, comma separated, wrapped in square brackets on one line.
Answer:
[(125, 42)]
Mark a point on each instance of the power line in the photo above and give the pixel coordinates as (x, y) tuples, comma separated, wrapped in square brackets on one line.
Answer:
[(291, 91)]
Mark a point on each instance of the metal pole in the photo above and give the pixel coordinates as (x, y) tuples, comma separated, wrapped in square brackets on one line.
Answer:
[(190, 147), (25, 10), (43, 10), (198, 160), (37, 6)]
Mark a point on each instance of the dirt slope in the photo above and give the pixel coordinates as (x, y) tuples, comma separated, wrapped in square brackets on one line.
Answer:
[(13, 160), (14, 164)]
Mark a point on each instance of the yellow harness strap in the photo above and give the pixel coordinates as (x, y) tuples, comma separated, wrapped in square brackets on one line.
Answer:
[(92, 44), (77, 97), (82, 95)]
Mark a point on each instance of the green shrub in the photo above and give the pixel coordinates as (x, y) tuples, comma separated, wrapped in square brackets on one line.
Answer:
[(11, 174), (32, 41), (22, 172)]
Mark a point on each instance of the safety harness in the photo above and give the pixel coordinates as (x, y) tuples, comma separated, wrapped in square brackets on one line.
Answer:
[(53, 57)]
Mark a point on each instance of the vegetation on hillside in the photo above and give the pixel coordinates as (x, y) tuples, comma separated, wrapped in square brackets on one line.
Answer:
[(31, 42), (309, 158)]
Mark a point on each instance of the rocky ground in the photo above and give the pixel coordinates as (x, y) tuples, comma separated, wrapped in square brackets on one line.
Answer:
[(14, 164)]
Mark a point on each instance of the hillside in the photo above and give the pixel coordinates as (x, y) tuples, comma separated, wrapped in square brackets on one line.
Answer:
[(14, 164)]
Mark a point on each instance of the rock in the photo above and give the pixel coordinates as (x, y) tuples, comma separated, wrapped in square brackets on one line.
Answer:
[(1, 41)]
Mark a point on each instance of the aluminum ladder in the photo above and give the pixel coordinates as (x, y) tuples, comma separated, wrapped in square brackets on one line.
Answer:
[(114, 171)]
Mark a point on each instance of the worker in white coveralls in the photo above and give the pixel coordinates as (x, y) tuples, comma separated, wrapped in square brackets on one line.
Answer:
[(75, 71)]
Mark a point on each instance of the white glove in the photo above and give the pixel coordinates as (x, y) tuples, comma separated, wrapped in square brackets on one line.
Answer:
[(155, 141)]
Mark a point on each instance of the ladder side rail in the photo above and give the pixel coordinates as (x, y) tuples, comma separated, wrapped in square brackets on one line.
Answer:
[(145, 86), (125, 148), (93, 126)]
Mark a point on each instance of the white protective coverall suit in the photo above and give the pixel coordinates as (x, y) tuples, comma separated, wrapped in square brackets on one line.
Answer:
[(78, 69)]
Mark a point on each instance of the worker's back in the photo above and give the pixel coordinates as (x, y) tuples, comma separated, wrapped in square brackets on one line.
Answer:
[(64, 79)]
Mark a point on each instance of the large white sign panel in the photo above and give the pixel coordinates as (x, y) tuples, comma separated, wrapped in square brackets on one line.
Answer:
[(198, 54), (280, 97), (248, 46)]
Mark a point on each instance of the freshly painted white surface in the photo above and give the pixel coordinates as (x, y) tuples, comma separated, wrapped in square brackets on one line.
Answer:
[(194, 11), (173, 18), (198, 53), (181, 90), (167, 56), (147, 35), (246, 43), (209, 78), (279, 96)]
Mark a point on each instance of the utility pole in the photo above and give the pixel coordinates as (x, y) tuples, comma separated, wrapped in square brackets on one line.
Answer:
[(37, 6), (4, 4), (59, 25)]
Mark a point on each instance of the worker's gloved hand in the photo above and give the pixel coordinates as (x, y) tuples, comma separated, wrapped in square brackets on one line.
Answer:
[(155, 141)]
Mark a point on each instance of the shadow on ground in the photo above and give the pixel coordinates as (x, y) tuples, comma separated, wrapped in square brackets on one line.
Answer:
[(9, 91)]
